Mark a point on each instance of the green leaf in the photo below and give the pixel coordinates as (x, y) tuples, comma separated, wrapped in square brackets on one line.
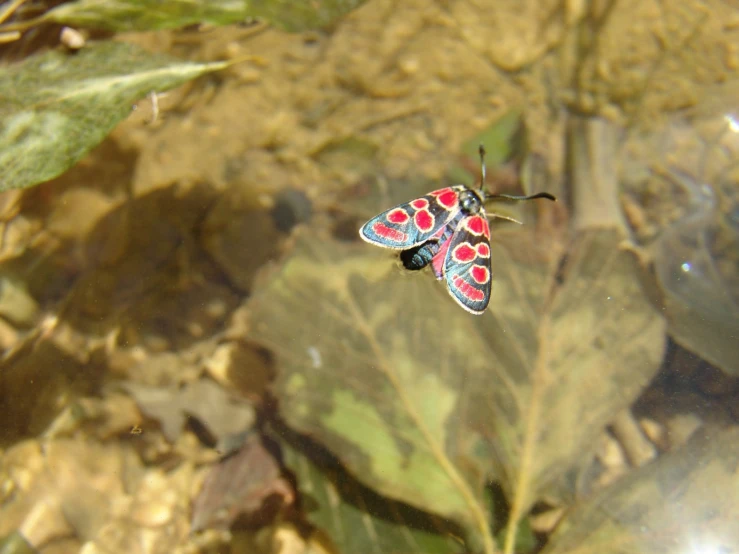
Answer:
[(143, 15), (684, 502), (504, 140), (57, 106), (355, 518), (425, 403)]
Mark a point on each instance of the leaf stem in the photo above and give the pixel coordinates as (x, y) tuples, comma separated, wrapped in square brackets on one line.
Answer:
[(521, 492)]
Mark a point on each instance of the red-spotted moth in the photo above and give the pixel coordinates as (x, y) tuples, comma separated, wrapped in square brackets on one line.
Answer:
[(447, 228)]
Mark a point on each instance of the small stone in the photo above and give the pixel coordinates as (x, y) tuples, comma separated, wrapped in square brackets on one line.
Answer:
[(609, 452), (16, 304), (78, 211), (44, 523), (635, 215), (71, 38), (153, 513), (8, 335), (655, 432), (239, 366), (638, 449), (409, 66)]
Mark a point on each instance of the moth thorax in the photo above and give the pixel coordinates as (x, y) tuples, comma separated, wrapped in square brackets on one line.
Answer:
[(469, 201)]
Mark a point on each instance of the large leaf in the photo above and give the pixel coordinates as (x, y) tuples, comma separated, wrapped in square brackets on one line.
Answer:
[(688, 501), (143, 15), (57, 106), (356, 519), (426, 403)]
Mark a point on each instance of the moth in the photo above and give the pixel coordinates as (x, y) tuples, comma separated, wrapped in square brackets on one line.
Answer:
[(448, 229)]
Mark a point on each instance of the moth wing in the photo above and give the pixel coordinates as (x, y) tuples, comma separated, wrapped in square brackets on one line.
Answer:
[(467, 268), (413, 223)]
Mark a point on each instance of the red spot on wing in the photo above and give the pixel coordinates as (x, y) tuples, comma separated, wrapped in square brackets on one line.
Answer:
[(424, 220), (467, 290), (448, 199), (476, 225), (485, 227), (483, 250), (437, 262), (398, 215), (420, 203), (464, 253), (441, 191), (389, 233), (480, 274)]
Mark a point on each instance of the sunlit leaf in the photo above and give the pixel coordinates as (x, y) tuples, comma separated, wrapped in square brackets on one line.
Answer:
[(57, 106), (141, 15), (684, 503), (355, 518), (424, 402)]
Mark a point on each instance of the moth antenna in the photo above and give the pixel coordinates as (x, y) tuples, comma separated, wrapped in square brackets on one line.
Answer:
[(481, 150), (530, 197)]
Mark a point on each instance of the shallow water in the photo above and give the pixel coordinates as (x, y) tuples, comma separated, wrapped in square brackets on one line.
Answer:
[(201, 355)]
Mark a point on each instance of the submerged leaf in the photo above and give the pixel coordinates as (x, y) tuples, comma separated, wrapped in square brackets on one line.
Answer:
[(57, 106), (685, 502), (138, 15), (355, 518), (238, 486), (700, 287), (426, 403), (221, 414)]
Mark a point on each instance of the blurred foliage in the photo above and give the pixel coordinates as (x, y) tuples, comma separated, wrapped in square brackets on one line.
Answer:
[(57, 106), (149, 15)]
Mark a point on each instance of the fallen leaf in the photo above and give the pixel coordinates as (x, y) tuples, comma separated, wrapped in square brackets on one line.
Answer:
[(425, 403), (238, 486), (221, 414)]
